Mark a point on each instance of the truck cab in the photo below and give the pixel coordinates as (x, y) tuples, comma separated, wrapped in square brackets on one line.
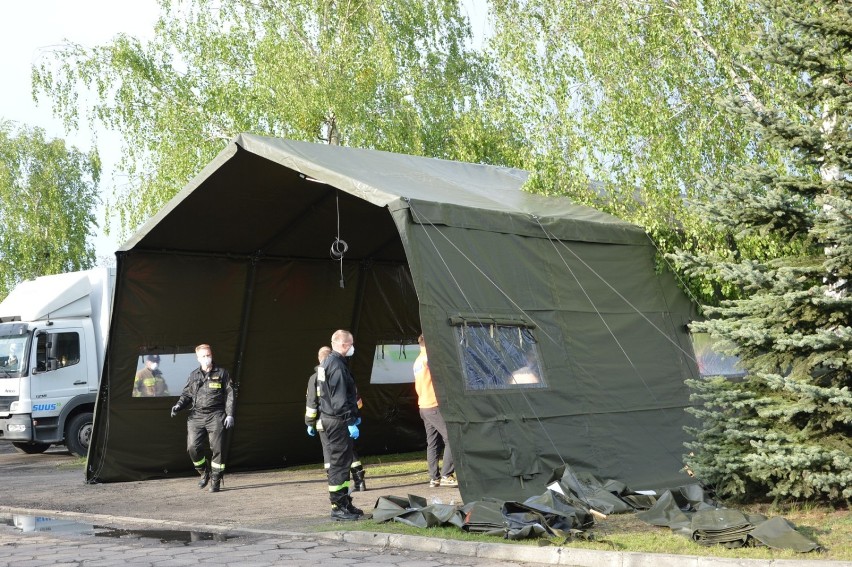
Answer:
[(52, 339)]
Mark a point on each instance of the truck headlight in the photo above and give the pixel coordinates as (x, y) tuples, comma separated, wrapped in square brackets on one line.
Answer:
[(17, 428), (13, 407)]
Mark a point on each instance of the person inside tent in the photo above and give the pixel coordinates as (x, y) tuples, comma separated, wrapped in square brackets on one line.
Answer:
[(149, 381)]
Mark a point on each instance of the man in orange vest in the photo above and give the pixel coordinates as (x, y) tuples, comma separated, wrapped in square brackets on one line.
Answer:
[(436, 429)]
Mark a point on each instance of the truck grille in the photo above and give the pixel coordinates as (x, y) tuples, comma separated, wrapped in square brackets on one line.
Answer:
[(6, 401)]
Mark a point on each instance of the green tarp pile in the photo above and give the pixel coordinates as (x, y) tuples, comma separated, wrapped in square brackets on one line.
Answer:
[(700, 519), (550, 514), (566, 509)]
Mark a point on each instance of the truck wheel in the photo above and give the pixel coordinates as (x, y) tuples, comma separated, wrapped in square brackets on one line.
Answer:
[(78, 432), (31, 447)]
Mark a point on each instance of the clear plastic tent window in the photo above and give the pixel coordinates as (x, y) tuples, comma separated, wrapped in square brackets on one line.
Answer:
[(499, 357)]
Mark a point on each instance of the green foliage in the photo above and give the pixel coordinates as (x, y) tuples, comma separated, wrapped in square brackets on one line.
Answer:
[(785, 429), (626, 94), (395, 75), (47, 194)]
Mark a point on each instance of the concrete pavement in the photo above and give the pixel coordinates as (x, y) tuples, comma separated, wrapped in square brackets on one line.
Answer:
[(93, 540)]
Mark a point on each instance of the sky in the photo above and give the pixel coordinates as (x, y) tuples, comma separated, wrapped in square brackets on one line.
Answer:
[(30, 28)]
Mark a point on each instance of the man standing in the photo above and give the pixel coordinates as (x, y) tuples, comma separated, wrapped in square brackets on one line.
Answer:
[(338, 410), (209, 393), (436, 429), (149, 381), (315, 425)]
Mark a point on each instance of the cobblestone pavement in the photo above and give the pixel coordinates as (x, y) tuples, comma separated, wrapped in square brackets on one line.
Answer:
[(25, 549)]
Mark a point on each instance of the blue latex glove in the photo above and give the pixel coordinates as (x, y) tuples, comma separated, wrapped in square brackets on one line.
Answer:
[(311, 431), (357, 421), (229, 422), (353, 431)]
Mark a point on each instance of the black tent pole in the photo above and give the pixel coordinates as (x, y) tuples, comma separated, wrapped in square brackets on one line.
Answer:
[(241, 345), (366, 266)]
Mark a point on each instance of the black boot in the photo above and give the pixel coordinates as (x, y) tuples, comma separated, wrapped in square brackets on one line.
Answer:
[(342, 514), (216, 481), (358, 477), (350, 507), (339, 506), (205, 475)]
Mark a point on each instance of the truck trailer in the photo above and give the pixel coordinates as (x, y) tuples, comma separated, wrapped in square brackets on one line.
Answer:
[(53, 334)]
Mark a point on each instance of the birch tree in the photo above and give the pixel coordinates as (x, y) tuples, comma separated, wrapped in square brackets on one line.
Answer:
[(620, 106), (48, 192), (394, 75)]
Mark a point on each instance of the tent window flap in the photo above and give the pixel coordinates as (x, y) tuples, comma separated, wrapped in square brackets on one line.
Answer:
[(498, 355)]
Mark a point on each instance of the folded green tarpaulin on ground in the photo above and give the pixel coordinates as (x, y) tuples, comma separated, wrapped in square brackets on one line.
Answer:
[(415, 512), (707, 523), (779, 533), (563, 510), (547, 514), (608, 497)]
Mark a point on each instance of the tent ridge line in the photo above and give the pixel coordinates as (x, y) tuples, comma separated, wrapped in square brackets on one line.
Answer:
[(255, 256)]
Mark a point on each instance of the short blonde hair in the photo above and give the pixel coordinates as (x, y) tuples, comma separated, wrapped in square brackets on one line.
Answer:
[(203, 346), (323, 353), (341, 335)]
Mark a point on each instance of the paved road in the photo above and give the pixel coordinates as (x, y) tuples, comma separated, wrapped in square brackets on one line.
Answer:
[(48, 516), (23, 549)]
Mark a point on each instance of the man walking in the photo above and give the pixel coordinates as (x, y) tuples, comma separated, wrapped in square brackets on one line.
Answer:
[(436, 429), (210, 395)]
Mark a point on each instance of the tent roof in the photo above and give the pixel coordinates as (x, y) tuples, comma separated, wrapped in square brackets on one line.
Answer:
[(376, 179)]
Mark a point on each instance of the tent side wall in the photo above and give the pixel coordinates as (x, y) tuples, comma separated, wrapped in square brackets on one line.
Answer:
[(612, 345), (161, 304), (265, 320)]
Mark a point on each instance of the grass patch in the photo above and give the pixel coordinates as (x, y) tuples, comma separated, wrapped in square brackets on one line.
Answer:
[(383, 465), (75, 463)]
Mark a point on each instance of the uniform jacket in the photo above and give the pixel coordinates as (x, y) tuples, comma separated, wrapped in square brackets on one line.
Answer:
[(150, 383), (338, 397), (312, 400), (208, 392)]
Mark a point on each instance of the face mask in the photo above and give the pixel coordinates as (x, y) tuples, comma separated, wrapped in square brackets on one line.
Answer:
[(351, 350), (153, 366), (205, 361)]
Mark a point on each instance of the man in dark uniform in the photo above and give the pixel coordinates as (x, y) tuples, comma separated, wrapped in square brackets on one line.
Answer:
[(315, 425), (149, 381), (338, 410), (209, 393)]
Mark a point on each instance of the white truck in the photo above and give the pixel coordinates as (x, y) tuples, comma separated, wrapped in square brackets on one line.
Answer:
[(53, 333)]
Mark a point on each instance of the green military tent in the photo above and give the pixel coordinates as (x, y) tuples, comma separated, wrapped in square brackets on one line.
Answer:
[(551, 337)]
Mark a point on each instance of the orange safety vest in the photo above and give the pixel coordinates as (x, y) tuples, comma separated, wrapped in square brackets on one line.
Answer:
[(423, 382)]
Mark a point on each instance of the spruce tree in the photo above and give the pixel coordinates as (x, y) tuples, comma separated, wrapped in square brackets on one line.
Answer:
[(784, 429)]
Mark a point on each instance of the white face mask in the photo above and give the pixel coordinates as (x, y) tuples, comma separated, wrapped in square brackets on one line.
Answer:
[(153, 366), (205, 361), (351, 350)]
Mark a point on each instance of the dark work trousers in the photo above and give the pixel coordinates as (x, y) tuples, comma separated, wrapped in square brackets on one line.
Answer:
[(325, 458), (207, 426), (436, 435), (339, 448)]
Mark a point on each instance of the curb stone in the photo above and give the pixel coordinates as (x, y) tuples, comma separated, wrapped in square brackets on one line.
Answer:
[(497, 551), (562, 555)]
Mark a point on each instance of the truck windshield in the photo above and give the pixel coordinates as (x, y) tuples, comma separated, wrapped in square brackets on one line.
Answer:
[(13, 359)]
